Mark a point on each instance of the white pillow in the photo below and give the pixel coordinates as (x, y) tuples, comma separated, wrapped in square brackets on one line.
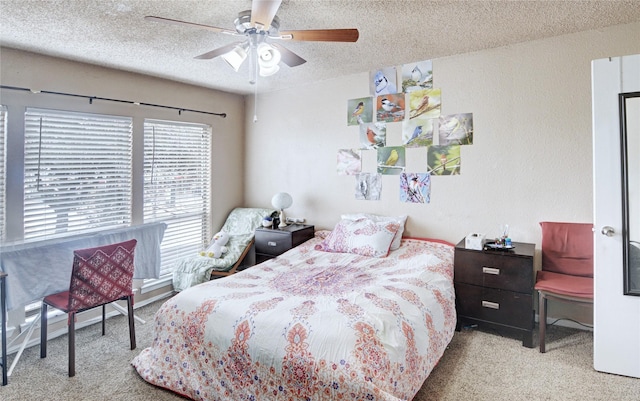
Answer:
[(401, 220), (363, 237)]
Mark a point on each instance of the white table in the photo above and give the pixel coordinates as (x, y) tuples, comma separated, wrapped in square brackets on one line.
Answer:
[(36, 269)]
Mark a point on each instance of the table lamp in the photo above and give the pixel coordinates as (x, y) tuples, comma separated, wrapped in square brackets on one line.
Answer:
[(281, 201)]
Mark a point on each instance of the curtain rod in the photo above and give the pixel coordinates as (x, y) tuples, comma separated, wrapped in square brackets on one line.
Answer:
[(92, 98)]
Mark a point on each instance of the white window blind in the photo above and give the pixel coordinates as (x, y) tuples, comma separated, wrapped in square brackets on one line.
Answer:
[(3, 130), (177, 176), (77, 173)]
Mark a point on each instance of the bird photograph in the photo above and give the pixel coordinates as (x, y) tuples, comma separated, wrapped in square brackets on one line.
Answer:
[(349, 162), (416, 76), (417, 132), (383, 82), (415, 187), (359, 111), (390, 108), (443, 160), (391, 160), (456, 129), (368, 186), (373, 135), (424, 102), (362, 189)]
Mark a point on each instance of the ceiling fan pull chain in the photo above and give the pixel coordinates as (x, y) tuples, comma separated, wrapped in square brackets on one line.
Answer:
[(254, 79), (255, 103)]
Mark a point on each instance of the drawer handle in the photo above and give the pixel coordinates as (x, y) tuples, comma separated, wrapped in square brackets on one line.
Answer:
[(271, 243), (490, 270), (491, 305)]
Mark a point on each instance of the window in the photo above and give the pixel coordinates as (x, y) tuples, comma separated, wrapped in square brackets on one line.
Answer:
[(177, 177), (77, 173), (3, 129)]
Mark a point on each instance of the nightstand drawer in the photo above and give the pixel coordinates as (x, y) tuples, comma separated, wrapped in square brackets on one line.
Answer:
[(493, 305), (494, 271), (272, 242)]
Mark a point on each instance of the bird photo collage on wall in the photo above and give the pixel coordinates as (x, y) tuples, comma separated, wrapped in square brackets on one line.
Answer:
[(418, 108)]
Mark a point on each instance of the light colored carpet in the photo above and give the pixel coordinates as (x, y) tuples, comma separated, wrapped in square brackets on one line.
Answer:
[(476, 366)]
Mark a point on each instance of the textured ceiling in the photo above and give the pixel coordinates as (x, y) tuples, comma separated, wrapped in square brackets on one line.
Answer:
[(113, 33)]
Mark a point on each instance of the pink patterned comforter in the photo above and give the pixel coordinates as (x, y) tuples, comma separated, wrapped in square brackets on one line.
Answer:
[(309, 325)]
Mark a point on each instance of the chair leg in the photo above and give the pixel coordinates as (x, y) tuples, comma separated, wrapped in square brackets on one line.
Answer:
[(72, 344), (104, 309), (542, 317), (132, 327), (43, 330)]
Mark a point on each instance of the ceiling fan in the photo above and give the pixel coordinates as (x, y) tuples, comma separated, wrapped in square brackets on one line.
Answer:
[(260, 26)]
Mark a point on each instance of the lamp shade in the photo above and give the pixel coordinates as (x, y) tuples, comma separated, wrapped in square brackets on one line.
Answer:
[(267, 72), (235, 57), (281, 201), (268, 59)]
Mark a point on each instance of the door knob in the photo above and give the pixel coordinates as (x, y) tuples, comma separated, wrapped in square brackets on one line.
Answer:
[(608, 231)]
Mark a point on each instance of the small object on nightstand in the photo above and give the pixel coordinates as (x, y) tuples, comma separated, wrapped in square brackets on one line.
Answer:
[(475, 241), (495, 246), (282, 201)]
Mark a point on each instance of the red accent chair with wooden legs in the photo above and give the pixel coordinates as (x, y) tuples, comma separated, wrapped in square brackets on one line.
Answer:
[(99, 276), (567, 267)]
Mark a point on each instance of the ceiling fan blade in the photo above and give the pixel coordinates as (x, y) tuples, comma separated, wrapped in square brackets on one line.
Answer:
[(217, 52), (288, 57), (322, 35), (263, 11), (190, 24)]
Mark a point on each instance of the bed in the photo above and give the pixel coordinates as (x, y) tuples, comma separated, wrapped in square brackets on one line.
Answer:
[(311, 324)]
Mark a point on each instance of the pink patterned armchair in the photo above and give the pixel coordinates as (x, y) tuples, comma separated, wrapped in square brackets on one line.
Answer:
[(100, 276)]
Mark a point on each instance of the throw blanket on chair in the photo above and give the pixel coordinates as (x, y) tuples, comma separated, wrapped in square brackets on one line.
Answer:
[(240, 225)]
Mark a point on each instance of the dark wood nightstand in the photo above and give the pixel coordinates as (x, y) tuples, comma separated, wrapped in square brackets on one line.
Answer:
[(494, 288), (271, 242)]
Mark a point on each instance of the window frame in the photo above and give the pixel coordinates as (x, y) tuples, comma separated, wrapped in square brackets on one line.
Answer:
[(186, 177)]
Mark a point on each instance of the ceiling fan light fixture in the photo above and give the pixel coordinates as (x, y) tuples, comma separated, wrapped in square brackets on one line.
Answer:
[(268, 59), (258, 25), (268, 71), (235, 57)]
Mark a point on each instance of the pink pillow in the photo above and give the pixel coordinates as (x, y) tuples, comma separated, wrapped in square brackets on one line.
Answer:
[(363, 237), (401, 220)]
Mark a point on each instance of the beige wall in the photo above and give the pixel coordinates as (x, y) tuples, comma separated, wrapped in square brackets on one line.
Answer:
[(531, 159)]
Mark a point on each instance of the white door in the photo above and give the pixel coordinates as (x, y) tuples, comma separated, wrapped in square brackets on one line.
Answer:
[(616, 316)]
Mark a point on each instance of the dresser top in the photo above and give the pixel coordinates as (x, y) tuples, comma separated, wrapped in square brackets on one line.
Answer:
[(289, 228), (521, 249)]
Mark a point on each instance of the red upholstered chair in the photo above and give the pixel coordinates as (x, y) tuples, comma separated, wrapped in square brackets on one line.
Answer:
[(99, 276), (567, 267)]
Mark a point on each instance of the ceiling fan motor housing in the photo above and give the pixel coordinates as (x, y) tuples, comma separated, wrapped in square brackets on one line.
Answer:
[(244, 27)]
